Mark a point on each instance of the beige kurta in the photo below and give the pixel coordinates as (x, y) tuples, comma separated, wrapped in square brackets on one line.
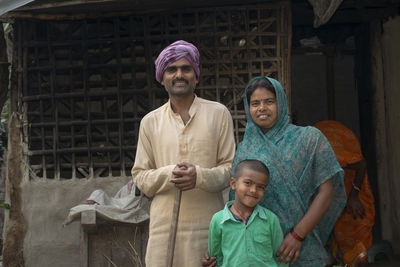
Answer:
[(207, 142)]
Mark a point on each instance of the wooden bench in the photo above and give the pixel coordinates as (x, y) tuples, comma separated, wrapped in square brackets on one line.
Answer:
[(106, 243)]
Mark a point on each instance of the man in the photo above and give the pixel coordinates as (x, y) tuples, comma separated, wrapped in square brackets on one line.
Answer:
[(187, 144)]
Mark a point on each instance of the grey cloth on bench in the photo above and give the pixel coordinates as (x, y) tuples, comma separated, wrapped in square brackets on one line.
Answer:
[(125, 206)]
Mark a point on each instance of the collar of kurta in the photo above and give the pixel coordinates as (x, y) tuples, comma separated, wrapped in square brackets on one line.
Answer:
[(193, 108), (227, 215)]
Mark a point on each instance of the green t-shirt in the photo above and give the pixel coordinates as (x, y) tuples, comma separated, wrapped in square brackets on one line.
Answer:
[(235, 243)]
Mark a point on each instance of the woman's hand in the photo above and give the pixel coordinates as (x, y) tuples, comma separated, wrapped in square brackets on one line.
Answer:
[(355, 206), (289, 251), (206, 261)]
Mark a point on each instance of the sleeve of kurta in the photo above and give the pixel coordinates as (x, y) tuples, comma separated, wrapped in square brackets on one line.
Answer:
[(149, 179), (277, 238), (216, 179), (214, 240)]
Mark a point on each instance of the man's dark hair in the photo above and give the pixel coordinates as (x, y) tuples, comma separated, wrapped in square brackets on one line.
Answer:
[(252, 164)]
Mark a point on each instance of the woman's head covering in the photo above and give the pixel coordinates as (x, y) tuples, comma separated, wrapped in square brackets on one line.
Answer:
[(283, 112), (175, 51), (300, 159), (344, 142)]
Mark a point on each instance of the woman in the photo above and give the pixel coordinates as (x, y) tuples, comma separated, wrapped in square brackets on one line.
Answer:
[(305, 189), (353, 230)]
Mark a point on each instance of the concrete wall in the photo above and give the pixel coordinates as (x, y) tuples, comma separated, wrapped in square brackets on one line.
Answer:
[(39, 208), (385, 40), (45, 206)]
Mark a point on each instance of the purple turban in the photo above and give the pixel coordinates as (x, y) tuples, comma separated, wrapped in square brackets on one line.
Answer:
[(175, 51)]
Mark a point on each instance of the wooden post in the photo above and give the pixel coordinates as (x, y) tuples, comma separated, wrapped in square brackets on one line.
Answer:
[(88, 225), (330, 82)]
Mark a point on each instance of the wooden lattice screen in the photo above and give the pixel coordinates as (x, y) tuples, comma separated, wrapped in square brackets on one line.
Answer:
[(86, 84)]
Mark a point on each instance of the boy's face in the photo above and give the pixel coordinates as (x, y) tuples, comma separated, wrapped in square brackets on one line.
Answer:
[(249, 188)]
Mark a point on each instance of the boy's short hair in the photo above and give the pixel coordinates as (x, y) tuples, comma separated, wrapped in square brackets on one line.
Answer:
[(252, 164)]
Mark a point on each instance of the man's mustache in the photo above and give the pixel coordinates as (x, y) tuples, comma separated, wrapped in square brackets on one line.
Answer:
[(179, 80)]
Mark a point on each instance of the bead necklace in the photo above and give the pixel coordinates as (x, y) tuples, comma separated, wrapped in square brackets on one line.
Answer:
[(239, 213)]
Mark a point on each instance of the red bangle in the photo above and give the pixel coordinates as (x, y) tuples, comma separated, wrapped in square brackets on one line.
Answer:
[(296, 236), (361, 257)]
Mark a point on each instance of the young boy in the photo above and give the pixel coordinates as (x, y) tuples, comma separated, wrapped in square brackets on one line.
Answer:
[(244, 233)]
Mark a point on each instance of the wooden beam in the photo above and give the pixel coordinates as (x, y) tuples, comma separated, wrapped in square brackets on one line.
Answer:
[(368, 3), (39, 5), (330, 82), (88, 221), (303, 15), (148, 4)]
